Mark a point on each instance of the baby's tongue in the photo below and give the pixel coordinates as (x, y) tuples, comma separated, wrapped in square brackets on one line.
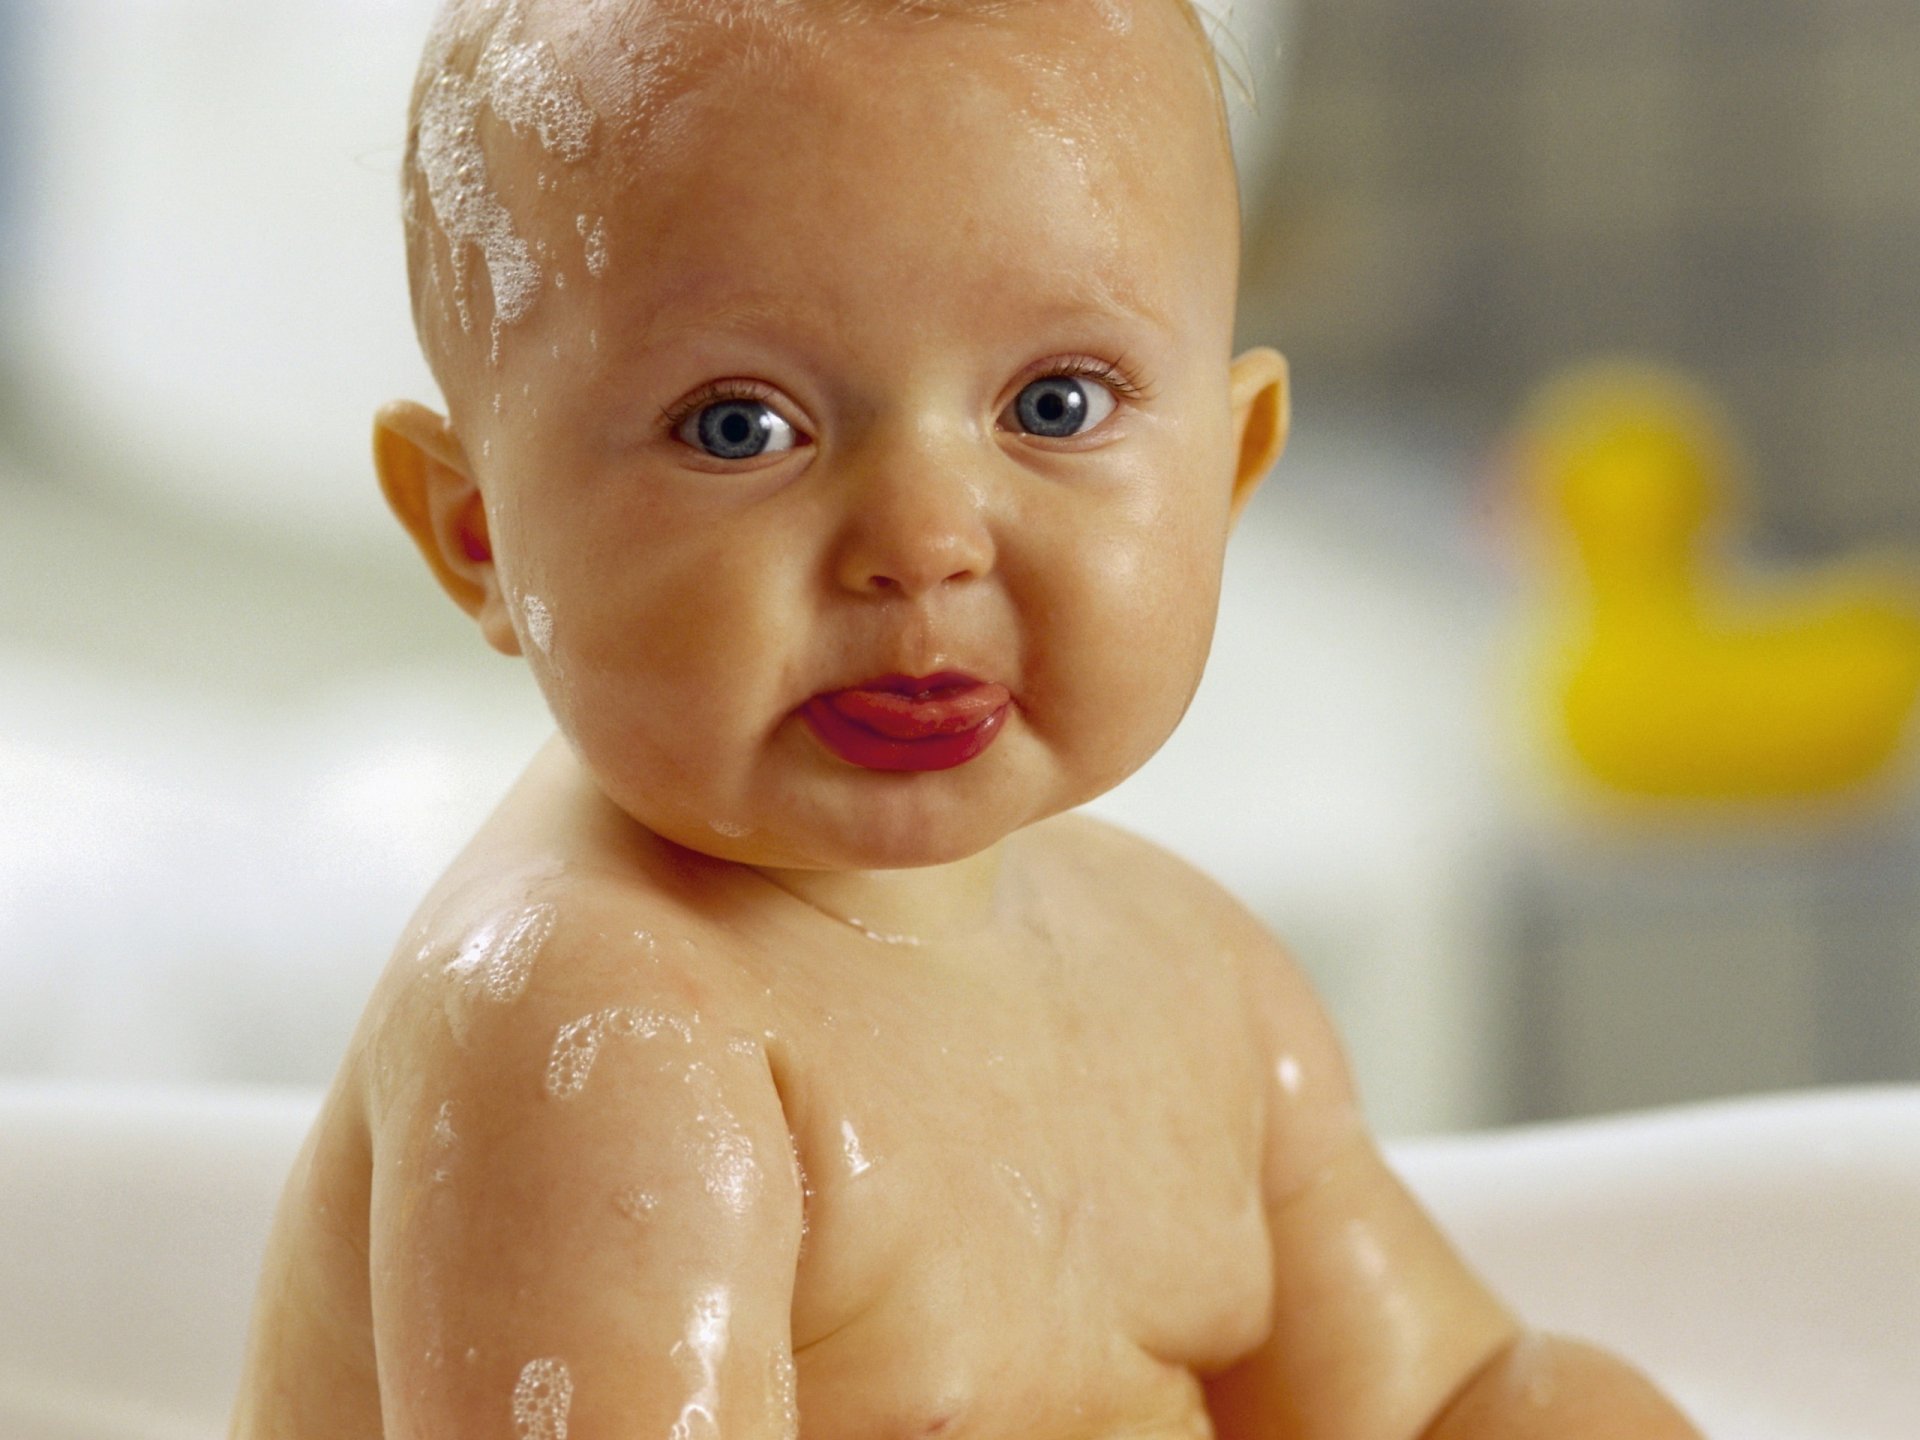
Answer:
[(911, 717)]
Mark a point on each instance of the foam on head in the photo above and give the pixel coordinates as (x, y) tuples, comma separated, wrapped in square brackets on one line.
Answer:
[(478, 59), (576, 82)]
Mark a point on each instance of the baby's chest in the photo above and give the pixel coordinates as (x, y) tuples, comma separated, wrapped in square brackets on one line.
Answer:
[(980, 1210)]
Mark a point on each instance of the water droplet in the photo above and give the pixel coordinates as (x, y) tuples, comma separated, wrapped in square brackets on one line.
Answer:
[(856, 1155), (1288, 1072), (636, 1203)]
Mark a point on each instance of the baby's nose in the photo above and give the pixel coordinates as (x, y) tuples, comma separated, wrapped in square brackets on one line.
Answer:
[(912, 526)]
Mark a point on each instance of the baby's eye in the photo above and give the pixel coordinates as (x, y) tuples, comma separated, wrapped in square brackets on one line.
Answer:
[(1058, 406), (736, 430)]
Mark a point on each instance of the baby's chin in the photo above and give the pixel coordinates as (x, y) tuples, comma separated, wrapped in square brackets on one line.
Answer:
[(849, 843), (842, 833)]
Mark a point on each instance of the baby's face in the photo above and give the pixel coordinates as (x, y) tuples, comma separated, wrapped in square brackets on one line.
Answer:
[(909, 359)]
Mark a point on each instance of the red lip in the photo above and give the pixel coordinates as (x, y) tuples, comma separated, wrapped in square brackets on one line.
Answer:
[(903, 722)]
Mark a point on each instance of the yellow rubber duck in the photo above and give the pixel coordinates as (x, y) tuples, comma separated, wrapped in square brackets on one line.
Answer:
[(1672, 676)]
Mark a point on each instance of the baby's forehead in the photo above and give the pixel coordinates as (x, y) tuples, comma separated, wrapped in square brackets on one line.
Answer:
[(532, 115)]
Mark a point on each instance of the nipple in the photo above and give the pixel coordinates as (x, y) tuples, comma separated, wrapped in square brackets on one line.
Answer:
[(541, 1400)]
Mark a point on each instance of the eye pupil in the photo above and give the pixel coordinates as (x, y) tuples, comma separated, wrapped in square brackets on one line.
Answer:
[(1055, 406), (735, 429)]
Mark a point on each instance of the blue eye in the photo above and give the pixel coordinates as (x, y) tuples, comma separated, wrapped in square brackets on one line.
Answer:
[(737, 430), (1058, 406)]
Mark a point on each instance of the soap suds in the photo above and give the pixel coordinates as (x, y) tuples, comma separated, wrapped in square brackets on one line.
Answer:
[(522, 85), (577, 1046), (539, 621), (594, 237), (541, 1400), (495, 963), (719, 1147)]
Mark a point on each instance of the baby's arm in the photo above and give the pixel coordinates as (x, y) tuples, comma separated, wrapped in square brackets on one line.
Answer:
[(589, 1230), (1380, 1330)]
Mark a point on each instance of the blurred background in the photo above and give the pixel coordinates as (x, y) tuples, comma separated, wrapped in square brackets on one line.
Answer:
[(241, 731)]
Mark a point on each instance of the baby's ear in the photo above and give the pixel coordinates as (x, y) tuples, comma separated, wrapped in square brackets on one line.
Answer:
[(1261, 413), (429, 484)]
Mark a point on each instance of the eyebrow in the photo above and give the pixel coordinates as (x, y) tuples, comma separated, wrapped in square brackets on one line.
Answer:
[(1086, 294), (1116, 303)]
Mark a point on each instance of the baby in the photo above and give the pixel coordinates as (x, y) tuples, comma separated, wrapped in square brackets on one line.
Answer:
[(844, 426)]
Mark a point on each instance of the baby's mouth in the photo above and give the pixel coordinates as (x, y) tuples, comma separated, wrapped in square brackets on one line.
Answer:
[(903, 722), (902, 708)]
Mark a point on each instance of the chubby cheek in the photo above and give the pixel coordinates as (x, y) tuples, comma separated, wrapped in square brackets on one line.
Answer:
[(661, 666), (1120, 657)]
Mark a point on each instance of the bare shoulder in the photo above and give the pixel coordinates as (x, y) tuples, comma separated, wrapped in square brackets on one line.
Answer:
[(1139, 874), (514, 988), (570, 1082), (1127, 868), (1309, 1104)]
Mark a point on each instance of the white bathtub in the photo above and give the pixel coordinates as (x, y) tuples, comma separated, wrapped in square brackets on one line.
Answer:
[(1760, 1258)]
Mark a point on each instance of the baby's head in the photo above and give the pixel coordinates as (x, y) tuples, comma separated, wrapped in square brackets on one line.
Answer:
[(798, 349)]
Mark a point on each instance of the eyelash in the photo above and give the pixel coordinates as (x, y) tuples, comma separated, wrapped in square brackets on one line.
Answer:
[(1116, 375)]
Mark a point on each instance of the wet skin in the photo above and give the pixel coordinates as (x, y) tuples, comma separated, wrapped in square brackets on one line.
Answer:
[(1032, 1156), (899, 1097)]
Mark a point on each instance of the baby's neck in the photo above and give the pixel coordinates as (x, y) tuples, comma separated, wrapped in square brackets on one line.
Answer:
[(914, 907), (961, 901)]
